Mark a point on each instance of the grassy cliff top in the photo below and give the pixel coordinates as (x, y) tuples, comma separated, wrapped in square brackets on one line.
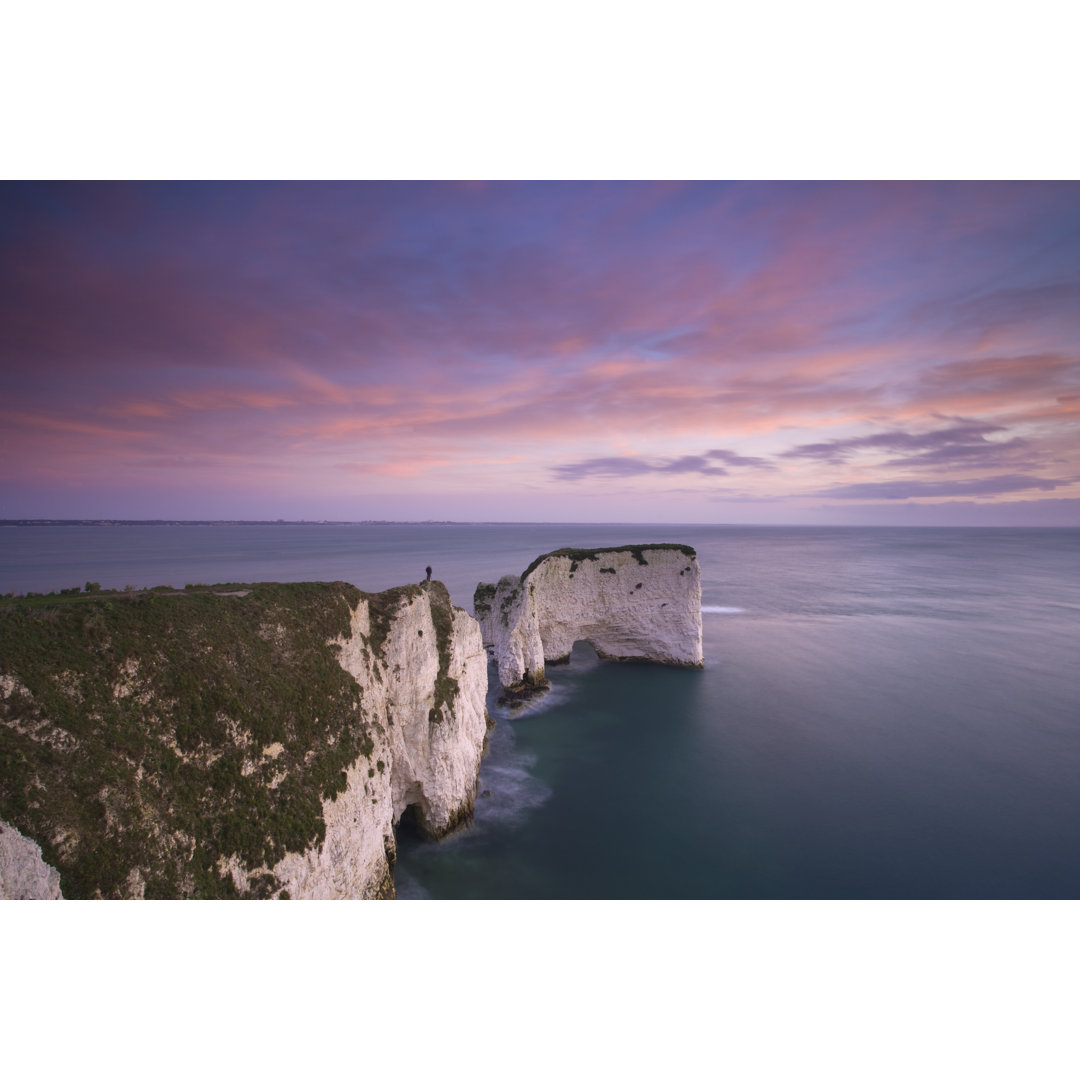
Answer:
[(580, 555), (162, 731)]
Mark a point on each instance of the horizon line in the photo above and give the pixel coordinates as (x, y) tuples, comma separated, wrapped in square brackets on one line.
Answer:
[(91, 522)]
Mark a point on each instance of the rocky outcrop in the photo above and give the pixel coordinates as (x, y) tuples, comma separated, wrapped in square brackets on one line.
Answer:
[(425, 684), (260, 742), (519, 647), (24, 874), (640, 602)]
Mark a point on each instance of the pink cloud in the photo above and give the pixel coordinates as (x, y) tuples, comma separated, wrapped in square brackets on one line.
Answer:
[(431, 330)]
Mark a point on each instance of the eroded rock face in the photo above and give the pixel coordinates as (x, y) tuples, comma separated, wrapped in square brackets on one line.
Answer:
[(519, 649), (375, 705), (423, 671), (635, 603), (24, 874), (484, 610)]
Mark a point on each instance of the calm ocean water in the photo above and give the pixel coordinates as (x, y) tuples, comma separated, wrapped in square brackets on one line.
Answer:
[(884, 713)]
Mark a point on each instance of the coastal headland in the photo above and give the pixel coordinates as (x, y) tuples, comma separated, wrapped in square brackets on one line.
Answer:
[(234, 741), (267, 740)]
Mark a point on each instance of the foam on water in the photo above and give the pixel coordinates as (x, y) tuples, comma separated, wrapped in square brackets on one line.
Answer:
[(713, 609), (508, 788), (556, 695), (406, 887)]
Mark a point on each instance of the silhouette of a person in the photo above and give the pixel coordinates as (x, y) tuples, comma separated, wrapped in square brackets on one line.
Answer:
[(428, 568)]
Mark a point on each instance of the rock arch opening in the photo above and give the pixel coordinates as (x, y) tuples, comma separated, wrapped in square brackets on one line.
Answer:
[(583, 653)]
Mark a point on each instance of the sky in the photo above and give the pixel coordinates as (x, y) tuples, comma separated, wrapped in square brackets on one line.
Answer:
[(775, 353)]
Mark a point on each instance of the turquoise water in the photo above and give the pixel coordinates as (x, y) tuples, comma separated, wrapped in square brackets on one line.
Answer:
[(884, 713)]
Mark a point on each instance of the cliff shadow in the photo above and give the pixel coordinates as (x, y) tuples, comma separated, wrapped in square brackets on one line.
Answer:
[(409, 827)]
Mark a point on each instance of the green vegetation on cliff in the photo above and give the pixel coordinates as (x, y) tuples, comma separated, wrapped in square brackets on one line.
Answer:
[(153, 735), (442, 615), (483, 598)]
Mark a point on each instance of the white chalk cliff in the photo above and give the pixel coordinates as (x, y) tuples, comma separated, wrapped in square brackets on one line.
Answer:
[(421, 672), (641, 602), (425, 710), (417, 714)]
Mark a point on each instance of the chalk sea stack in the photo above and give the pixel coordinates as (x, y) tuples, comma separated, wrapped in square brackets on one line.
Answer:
[(640, 602)]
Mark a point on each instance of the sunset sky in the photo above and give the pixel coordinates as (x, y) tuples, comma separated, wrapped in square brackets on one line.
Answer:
[(777, 352)]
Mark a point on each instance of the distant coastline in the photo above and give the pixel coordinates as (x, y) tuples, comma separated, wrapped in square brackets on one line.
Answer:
[(106, 522), (15, 523)]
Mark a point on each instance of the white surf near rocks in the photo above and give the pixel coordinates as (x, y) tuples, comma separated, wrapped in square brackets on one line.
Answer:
[(639, 602)]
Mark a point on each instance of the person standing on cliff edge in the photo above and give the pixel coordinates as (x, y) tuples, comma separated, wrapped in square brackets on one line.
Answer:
[(428, 569)]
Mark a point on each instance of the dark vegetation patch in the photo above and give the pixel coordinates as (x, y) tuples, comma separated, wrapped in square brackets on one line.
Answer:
[(483, 598), (442, 616), (133, 734), (580, 555), (506, 605), (383, 607)]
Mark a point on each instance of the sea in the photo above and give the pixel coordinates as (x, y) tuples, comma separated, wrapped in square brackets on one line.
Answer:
[(884, 713)]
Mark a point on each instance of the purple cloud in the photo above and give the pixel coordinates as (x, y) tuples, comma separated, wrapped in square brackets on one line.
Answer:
[(700, 464), (933, 489), (964, 443)]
